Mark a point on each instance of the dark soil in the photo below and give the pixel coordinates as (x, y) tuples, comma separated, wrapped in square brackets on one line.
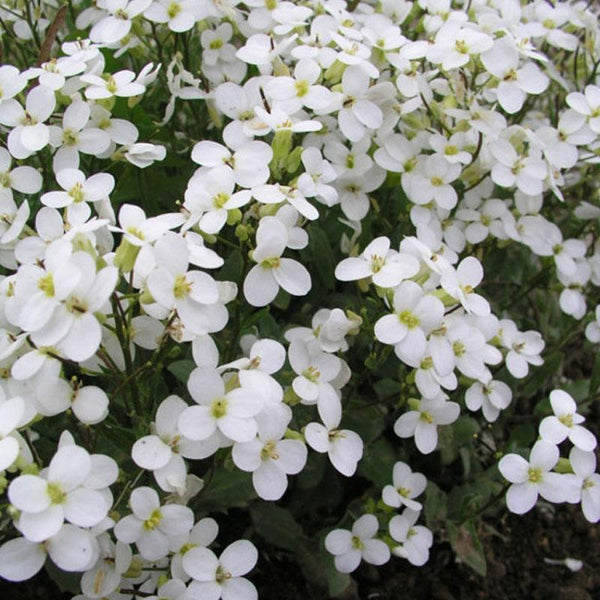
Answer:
[(515, 554)]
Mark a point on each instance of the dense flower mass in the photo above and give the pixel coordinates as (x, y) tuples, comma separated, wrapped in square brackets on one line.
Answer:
[(252, 248)]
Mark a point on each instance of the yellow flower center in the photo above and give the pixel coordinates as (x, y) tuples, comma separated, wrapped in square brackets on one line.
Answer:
[(56, 493), (408, 319), (46, 285), (182, 287), (218, 408), (153, 521)]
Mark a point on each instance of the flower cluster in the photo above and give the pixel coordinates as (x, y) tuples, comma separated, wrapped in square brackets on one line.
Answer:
[(343, 191)]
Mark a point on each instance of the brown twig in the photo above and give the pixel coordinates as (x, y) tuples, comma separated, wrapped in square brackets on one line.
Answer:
[(58, 22)]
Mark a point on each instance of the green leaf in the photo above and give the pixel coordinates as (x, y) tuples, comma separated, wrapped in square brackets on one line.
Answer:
[(337, 583), (232, 268), (467, 545), (276, 525), (121, 437), (384, 388), (322, 256), (367, 421), (378, 462), (435, 506), (317, 566), (226, 489), (542, 376), (66, 582), (182, 369), (595, 378), (464, 430)]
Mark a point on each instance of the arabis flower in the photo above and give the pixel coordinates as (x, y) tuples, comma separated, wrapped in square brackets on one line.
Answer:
[(222, 577), (533, 478), (272, 270), (423, 423), (386, 267), (414, 541), (566, 423), (407, 486), (350, 547), (153, 528)]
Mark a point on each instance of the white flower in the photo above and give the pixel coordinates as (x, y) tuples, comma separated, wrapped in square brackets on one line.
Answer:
[(358, 111), (202, 534), (344, 447), (222, 577), (143, 154), (315, 369), (78, 189), (423, 423), (75, 136), (29, 133), (105, 575), (460, 284), (153, 528), (386, 267), (22, 179), (592, 329), (318, 173), (71, 549), (454, 45), (191, 293), (232, 413), (492, 398), (502, 61), (407, 486), (272, 271), (584, 466), (587, 104), (249, 162), (533, 478), (430, 182), (350, 547), (210, 195), (74, 329), (46, 501), (414, 540), (566, 423), (114, 27), (277, 194), (12, 81), (415, 315), (11, 415), (293, 93), (163, 451), (270, 458), (179, 15), (119, 84), (524, 348)]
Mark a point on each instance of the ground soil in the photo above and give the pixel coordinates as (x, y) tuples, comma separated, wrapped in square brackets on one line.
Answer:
[(515, 553)]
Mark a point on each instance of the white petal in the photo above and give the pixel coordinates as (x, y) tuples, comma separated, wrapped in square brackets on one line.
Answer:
[(29, 493), (238, 588), (239, 558), (21, 559), (292, 277), (150, 452), (338, 541), (260, 286), (72, 549), (38, 527), (69, 467), (521, 497)]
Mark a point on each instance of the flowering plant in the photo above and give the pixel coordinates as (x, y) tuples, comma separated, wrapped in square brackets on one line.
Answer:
[(252, 248)]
